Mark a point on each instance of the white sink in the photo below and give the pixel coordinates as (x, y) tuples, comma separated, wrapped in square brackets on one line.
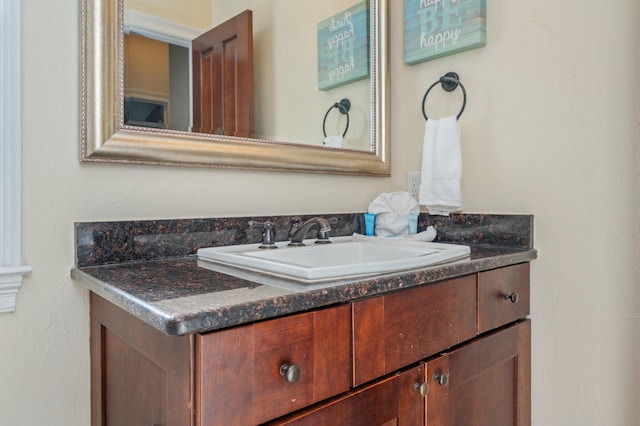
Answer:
[(346, 257)]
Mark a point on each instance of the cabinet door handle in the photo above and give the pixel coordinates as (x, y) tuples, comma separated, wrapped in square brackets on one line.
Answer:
[(421, 388), (513, 297), (291, 373), (441, 378)]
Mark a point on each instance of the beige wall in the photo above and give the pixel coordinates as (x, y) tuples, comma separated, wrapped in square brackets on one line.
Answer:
[(146, 71), (551, 128), (197, 15)]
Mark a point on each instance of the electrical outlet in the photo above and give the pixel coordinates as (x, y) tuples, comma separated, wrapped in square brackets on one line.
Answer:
[(413, 184)]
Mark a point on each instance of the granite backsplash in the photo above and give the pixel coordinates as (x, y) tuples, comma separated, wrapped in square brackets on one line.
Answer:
[(102, 243)]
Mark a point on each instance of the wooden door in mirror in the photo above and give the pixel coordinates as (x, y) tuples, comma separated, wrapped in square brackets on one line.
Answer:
[(223, 78)]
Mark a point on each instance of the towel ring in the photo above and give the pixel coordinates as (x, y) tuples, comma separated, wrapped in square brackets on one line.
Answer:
[(449, 82), (343, 106)]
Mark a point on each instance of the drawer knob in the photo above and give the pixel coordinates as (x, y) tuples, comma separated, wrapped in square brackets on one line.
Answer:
[(441, 378), (291, 373), (514, 297), (421, 388)]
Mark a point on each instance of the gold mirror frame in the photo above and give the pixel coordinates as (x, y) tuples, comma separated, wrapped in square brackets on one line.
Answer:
[(106, 139)]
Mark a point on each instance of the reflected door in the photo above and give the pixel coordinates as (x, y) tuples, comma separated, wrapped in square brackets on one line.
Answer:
[(223, 78)]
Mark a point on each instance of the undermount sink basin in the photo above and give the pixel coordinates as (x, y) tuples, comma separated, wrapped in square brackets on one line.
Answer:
[(346, 257)]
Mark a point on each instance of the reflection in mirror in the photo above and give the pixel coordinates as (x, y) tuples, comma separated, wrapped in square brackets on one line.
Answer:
[(287, 101), (156, 107)]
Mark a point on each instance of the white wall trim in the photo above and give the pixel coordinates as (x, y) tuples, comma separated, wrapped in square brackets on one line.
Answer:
[(11, 268), (10, 282), (159, 29)]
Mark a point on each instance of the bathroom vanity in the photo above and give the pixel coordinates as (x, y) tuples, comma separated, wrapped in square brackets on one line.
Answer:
[(173, 343)]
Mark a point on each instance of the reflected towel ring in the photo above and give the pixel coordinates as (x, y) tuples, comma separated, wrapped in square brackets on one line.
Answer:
[(343, 106), (449, 82)]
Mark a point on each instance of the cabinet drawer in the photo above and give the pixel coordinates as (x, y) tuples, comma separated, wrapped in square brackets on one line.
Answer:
[(398, 329), (394, 400), (503, 296), (241, 374)]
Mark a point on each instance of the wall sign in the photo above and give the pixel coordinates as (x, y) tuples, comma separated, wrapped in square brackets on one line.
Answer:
[(343, 47), (435, 28)]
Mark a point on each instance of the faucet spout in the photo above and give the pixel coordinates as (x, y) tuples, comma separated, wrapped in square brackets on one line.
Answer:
[(298, 231)]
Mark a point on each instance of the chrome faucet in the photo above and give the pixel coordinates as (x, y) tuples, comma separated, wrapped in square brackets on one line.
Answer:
[(298, 231)]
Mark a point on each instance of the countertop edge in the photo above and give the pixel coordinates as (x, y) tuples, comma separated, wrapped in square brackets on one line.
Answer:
[(283, 302), (159, 319)]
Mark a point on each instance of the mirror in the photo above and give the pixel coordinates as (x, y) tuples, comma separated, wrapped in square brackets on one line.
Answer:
[(280, 43), (105, 137)]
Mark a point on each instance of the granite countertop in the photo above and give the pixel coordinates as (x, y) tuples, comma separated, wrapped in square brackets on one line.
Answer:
[(158, 278)]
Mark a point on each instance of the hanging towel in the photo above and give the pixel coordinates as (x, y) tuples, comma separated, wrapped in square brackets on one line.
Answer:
[(440, 188), (333, 141)]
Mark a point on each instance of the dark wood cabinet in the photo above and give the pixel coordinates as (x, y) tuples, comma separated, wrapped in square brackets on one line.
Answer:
[(394, 400), (483, 383), (398, 329), (455, 352), (255, 373), (503, 296), (139, 376)]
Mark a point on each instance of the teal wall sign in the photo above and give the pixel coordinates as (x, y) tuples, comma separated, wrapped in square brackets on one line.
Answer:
[(343, 47), (435, 28)]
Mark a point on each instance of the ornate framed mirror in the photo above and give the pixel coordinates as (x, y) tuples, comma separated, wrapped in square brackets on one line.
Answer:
[(105, 137)]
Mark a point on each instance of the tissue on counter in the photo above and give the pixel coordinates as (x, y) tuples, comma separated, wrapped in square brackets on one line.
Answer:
[(392, 210), (427, 235)]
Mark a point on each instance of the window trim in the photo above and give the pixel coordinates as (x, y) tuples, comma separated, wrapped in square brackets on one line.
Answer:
[(12, 270)]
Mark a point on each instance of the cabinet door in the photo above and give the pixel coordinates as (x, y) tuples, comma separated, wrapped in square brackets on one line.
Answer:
[(139, 376), (484, 383), (251, 374), (395, 400)]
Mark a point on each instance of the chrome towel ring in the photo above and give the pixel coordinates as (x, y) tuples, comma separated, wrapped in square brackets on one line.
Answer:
[(343, 106), (449, 82)]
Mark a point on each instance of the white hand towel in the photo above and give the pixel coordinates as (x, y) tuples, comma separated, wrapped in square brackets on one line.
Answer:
[(440, 189), (333, 141), (391, 210)]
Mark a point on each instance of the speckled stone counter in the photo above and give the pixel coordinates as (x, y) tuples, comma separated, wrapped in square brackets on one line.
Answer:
[(149, 268)]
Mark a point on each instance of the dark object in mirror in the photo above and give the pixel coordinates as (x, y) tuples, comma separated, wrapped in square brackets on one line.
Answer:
[(343, 106), (144, 113)]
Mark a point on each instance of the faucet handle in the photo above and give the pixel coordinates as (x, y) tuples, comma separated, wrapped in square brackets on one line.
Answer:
[(268, 233), (323, 234)]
